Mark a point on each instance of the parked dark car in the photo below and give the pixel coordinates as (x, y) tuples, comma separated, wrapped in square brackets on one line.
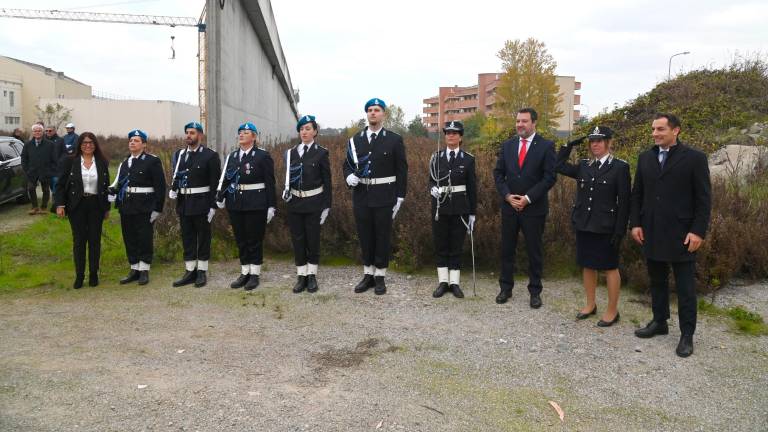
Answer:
[(12, 180)]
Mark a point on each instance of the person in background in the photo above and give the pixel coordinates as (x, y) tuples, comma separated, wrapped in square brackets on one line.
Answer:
[(38, 161), (58, 151), (82, 197), (18, 134), (69, 139)]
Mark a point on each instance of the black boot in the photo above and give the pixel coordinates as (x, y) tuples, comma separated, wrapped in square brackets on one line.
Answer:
[(440, 290), (133, 276), (312, 283), (365, 284), (301, 284), (504, 295), (240, 281), (253, 283), (93, 279), (78, 281), (457, 291), (652, 329), (685, 347), (201, 279), (381, 287), (188, 278), (143, 277)]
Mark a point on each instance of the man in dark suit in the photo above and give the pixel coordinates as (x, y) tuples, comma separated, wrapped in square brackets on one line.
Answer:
[(669, 217), (38, 160), (196, 171), (377, 170), (524, 173)]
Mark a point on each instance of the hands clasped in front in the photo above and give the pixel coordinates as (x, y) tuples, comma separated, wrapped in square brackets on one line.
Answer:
[(518, 202)]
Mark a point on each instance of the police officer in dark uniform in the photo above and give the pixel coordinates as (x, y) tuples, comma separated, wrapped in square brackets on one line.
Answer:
[(377, 171), (454, 200), (308, 196), (196, 171), (599, 216), (139, 193), (247, 189)]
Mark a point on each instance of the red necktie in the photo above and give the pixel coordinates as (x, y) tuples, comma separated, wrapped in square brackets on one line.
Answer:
[(523, 151)]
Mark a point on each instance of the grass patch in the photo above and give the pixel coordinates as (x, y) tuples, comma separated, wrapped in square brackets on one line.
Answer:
[(742, 320)]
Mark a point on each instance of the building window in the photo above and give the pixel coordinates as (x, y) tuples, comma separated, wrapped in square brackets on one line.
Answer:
[(12, 120), (10, 99)]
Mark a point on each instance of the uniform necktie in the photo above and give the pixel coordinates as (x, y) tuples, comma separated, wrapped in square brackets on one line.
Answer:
[(130, 161), (523, 151), (451, 157), (663, 157), (303, 151), (373, 136)]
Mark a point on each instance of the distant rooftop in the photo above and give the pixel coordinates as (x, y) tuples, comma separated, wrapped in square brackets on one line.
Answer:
[(45, 70)]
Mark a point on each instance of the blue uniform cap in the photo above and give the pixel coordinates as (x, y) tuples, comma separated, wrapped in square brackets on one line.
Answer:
[(138, 133), (193, 125), (304, 120), (249, 127), (375, 101)]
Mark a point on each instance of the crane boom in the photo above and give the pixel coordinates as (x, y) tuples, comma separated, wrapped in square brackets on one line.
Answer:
[(170, 21)]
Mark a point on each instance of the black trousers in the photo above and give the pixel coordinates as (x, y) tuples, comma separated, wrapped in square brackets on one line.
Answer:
[(45, 184), (374, 229), (685, 283), (533, 229), (249, 227), (137, 236), (86, 220), (196, 237), (448, 233), (305, 235)]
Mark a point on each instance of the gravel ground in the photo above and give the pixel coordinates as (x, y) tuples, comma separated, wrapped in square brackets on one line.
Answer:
[(157, 358)]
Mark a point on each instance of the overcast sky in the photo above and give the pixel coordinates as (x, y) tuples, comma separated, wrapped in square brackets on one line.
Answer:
[(341, 53)]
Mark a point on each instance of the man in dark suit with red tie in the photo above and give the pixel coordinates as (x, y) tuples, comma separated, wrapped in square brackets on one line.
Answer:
[(524, 173)]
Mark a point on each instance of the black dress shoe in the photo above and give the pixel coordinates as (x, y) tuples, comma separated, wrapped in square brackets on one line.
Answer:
[(188, 278), (504, 295), (143, 277), (582, 315), (301, 284), (685, 346), (312, 283), (457, 291), (133, 276), (652, 329), (381, 287), (240, 281), (441, 289), (535, 301), (602, 323), (367, 282), (201, 279), (253, 283), (93, 279), (78, 282)]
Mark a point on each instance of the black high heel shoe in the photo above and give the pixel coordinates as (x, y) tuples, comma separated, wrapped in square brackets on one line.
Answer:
[(581, 315), (602, 323)]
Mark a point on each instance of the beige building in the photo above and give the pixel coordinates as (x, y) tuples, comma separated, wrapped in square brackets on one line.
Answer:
[(459, 103), (29, 83)]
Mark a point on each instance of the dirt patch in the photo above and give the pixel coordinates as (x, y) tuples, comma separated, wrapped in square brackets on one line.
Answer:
[(348, 358)]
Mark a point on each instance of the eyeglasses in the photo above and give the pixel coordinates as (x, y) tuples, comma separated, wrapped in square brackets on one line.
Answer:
[(88, 142)]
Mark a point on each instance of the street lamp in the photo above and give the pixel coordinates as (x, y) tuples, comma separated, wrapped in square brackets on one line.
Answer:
[(669, 69)]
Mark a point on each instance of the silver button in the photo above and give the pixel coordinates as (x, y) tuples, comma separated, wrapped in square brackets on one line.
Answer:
[(589, 208)]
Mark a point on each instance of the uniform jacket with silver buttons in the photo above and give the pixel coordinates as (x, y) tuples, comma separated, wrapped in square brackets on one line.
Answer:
[(602, 195), (387, 158), (315, 172), (198, 168), (256, 166), (461, 173), (145, 171)]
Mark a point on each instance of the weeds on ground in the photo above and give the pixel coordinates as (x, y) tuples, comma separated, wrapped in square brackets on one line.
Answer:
[(743, 321)]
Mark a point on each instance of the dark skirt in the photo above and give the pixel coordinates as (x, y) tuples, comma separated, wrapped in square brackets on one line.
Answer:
[(594, 251)]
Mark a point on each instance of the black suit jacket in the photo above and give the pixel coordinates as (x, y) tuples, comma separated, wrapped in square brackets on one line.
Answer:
[(38, 161), (535, 178), (602, 195), (315, 169), (462, 172), (69, 191), (256, 166), (671, 202), (385, 157), (195, 169), (145, 171)]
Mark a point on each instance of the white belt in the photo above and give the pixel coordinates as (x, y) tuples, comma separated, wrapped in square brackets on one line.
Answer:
[(144, 190), (250, 186), (194, 190), (458, 188), (307, 193), (378, 181)]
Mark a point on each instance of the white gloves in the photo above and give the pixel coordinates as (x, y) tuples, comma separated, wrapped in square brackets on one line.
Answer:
[(270, 214), (471, 224), (172, 194), (324, 215), (396, 208), (153, 216), (211, 212), (220, 204), (435, 192), (353, 180), (111, 198)]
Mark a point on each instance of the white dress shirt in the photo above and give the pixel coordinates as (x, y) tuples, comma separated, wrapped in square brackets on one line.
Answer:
[(528, 142), (300, 148), (90, 177), (370, 132)]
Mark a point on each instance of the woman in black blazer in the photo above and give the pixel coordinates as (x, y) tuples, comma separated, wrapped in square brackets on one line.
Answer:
[(82, 196)]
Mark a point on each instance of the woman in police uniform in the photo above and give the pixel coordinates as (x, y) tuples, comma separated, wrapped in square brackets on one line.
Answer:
[(247, 189), (308, 196), (454, 200), (599, 216)]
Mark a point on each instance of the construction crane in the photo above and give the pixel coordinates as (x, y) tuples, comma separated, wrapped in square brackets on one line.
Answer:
[(158, 20)]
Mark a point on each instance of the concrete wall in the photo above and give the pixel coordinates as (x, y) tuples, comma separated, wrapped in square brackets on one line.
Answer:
[(248, 76), (567, 86), (117, 117)]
